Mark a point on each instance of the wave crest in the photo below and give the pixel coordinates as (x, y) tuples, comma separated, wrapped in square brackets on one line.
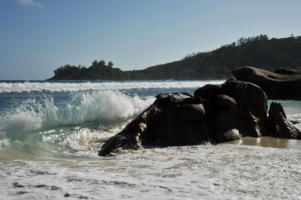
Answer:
[(48, 87), (104, 106)]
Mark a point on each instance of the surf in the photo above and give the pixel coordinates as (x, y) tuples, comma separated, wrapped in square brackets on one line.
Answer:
[(77, 86), (84, 114)]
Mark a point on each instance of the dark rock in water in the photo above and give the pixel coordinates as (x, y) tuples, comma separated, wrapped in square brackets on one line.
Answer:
[(235, 105), (279, 125), (219, 113), (276, 86), (173, 119), (230, 135), (287, 71), (113, 143)]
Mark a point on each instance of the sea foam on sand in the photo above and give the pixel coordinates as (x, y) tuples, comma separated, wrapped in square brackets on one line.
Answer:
[(192, 172)]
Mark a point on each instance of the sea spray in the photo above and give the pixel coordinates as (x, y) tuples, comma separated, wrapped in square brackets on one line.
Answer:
[(24, 118), (107, 106)]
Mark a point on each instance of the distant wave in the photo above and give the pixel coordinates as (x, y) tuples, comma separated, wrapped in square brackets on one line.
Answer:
[(48, 87)]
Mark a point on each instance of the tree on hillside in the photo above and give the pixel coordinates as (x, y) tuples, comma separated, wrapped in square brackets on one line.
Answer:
[(94, 63), (102, 62), (110, 64)]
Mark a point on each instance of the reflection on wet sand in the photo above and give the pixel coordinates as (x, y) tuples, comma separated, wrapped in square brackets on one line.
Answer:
[(268, 142)]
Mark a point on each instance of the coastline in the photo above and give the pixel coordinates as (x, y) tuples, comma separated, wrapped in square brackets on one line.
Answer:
[(204, 172), (56, 156)]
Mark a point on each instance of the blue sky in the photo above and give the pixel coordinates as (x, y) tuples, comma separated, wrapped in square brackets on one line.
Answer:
[(38, 36)]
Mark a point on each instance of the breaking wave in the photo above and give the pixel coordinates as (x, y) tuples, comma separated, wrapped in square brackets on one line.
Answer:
[(74, 86), (102, 106)]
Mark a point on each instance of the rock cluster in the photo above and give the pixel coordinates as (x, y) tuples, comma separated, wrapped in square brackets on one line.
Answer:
[(219, 113)]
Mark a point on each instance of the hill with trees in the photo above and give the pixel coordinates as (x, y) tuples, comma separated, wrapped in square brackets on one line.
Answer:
[(258, 51)]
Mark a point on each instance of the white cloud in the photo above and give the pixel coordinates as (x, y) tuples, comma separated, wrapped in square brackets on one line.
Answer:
[(29, 3)]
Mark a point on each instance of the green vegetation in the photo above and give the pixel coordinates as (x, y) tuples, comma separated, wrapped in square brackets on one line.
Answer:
[(98, 70), (259, 51)]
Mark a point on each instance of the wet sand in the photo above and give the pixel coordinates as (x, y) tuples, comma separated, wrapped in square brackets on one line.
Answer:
[(268, 142)]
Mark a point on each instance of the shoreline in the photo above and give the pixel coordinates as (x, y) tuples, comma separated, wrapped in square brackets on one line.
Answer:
[(205, 172)]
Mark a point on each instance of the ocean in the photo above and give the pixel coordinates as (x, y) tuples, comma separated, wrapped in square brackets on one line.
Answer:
[(51, 131)]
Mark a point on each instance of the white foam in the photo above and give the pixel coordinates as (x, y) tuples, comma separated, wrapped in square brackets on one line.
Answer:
[(104, 106), (96, 85), (79, 141), (192, 172)]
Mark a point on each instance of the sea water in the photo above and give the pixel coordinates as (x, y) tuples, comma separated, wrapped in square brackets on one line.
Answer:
[(51, 131)]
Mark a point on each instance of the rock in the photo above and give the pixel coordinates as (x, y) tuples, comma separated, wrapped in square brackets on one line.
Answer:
[(279, 125), (220, 113), (111, 144), (172, 120), (276, 86), (225, 101), (287, 71), (129, 136), (234, 105), (230, 135)]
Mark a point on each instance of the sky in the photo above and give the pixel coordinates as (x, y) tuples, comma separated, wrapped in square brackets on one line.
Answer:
[(38, 36)]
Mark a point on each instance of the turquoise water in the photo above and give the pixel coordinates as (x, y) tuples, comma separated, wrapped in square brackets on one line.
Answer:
[(43, 119), (50, 133), (40, 119)]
